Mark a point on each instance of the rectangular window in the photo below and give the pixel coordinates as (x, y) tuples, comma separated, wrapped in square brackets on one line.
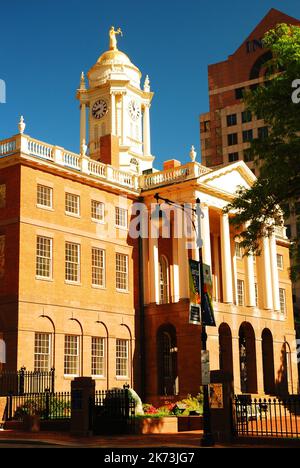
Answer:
[(233, 157), (98, 267), (42, 352), (122, 272), (97, 366), (239, 93), (121, 358), (246, 116), (238, 250), (279, 261), (97, 209), (71, 358), (121, 215), (282, 299), (256, 294), (2, 196), (231, 120), (43, 257), (247, 135), (44, 196), (232, 139), (72, 204), (206, 125), (248, 156), (240, 292), (72, 258), (262, 132)]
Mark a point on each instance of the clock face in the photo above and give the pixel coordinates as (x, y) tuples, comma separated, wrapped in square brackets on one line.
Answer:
[(134, 110), (99, 109)]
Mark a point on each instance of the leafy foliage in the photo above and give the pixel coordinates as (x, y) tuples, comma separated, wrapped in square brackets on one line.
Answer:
[(277, 154)]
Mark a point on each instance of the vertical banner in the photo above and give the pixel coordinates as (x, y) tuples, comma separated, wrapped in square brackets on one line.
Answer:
[(208, 317), (205, 369), (195, 299)]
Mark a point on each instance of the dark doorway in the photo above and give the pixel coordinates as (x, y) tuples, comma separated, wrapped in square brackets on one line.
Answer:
[(268, 362), (247, 349), (225, 349), (167, 360)]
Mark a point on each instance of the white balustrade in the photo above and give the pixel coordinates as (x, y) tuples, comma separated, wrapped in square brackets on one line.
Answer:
[(7, 147), (188, 171), (71, 160), (96, 168), (42, 150)]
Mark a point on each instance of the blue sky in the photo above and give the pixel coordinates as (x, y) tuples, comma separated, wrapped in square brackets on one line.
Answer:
[(45, 44)]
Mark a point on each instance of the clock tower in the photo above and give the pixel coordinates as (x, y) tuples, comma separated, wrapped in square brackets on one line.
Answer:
[(118, 111)]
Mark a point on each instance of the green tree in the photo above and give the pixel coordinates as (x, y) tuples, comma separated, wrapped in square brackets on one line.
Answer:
[(277, 153)]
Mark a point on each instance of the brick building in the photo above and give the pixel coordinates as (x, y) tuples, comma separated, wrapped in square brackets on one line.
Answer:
[(227, 129), (80, 293)]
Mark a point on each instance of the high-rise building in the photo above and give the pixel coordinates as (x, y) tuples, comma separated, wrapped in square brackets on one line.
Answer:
[(227, 129)]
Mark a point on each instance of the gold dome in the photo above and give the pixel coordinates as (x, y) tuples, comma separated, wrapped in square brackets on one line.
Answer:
[(114, 56)]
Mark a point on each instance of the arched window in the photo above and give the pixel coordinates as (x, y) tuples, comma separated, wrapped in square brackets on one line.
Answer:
[(164, 280), (167, 360)]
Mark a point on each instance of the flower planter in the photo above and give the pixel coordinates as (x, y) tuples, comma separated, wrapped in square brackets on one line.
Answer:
[(190, 423), (163, 425)]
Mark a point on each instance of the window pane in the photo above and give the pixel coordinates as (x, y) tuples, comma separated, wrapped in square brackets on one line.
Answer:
[(232, 139), (240, 292), (279, 261), (282, 300), (44, 257), (97, 209), (98, 267), (122, 358), (44, 196), (97, 356), (247, 135), (72, 203), (246, 116), (71, 357), (248, 156), (121, 217), (72, 268), (233, 157), (42, 356), (2, 196), (231, 120), (122, 271)]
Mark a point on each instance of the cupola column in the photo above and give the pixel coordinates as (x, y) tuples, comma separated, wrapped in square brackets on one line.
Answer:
[(82, 123), (146, 130)]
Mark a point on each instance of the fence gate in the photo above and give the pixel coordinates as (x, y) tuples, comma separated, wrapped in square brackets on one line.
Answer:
[(112, 412), (266, 417)]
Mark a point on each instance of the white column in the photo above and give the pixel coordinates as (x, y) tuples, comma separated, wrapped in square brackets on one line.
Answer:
[(146, 131), (217, 268), (234, 278), (82, 124), (205, 232), (274, 272), (268, 290), (154, 270), (226, 259), (183, 268), (146, 271), (250, 281), (113, 114), (175, 271)]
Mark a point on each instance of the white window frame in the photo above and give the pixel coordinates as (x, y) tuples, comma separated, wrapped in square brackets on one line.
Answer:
[(240, 292), (101, 218), (124, 359), (120, 215), (50, 258), (77, 356), (279, 263), (78, 263), (42, 205), (97, 267), (75, 213), (256, 294), (48, 354), (238, 250), (126, 273), (282, 300), (164, 296), (93, 355)]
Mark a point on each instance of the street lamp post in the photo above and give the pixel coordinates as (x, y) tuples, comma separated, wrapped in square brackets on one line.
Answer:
[(207, 439)]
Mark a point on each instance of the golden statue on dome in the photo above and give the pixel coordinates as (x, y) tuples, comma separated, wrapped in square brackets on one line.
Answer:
[(112, 37)]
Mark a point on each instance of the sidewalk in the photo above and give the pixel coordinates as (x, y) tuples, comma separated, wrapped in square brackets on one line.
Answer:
[(180, 440)]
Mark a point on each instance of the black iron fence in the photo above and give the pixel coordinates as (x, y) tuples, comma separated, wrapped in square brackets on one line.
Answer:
[(266, 417), (112, 411), (22, 382), (47, 405)]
